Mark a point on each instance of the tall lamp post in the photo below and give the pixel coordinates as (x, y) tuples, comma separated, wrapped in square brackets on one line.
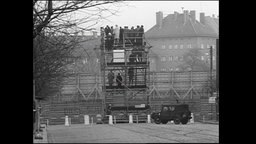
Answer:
[(211, 86), (217, 79)]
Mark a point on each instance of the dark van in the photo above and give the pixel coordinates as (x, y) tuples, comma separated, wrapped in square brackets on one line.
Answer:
[(178, 113)]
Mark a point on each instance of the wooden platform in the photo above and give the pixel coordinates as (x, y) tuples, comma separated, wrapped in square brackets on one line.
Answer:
[(108, 88), (123, 63)]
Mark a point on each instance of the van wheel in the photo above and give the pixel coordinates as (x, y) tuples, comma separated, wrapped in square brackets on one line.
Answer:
[(177, 121), (157, 120), (184, 121)]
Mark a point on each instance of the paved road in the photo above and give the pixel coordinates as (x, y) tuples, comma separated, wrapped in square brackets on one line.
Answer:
[(134, 133)]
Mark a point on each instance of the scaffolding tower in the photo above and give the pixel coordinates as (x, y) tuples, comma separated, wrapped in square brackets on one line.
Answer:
[(127, 56)]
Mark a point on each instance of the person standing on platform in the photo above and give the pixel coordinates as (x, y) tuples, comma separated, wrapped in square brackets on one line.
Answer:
[(111, 77), (132, 58), (141, 32), (132, 35), (108, 112), (137, 30), (135, 52), (116, 34), (131, 75), (140, 52), (125, 34), (121, 35), (107, 30), (119, 80)]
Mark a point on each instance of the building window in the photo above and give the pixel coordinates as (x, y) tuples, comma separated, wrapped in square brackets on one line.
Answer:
[(176, 46), (177, 69), (181, 46), (97, 60), (202, 57), (213, 58), (202, 46), (163, 58), (163, 46), (84, 61), (189, 46), (170, 46), (213, 46)]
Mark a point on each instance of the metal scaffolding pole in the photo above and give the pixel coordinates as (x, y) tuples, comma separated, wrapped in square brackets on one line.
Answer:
[(211, 85)]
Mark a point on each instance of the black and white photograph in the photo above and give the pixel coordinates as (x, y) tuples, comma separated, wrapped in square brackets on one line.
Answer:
[(125, 71)]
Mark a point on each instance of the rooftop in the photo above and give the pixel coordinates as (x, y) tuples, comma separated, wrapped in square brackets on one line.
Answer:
[(176, 25)]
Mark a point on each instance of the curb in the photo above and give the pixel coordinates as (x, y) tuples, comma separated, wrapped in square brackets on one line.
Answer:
[(210, 122)]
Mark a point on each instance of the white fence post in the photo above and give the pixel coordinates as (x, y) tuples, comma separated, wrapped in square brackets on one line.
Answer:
[(149, 119), (66, 121), (110, 120), (86, 120), (130, 119), (192, 119)]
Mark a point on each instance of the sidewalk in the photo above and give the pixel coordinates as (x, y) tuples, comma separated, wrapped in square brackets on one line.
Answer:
[(210, 122), (43, 134)]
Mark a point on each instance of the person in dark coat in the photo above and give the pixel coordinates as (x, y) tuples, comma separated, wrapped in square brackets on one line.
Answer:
[(119, 80), (137, 40), (108, 109), (132, 35), (111, 77), (111, 42), (131, 75), (121, 35), (108, 38), (107, 30), (132, 58), (112, 30), (141, 32), (125, 34)]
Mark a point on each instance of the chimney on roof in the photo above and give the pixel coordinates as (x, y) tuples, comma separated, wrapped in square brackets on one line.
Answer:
[(193, 15), (94, 33), (185, 16), (175, 15), (202, 18), (159, 19), (213, 15)]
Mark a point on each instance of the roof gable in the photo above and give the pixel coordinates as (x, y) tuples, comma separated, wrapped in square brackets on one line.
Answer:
[(174, 26)]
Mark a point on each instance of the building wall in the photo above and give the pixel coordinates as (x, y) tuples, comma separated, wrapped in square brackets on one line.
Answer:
[(171, 50)]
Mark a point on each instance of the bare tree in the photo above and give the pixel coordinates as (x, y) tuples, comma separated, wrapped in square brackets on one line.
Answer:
[(57, 33), (60, 17)]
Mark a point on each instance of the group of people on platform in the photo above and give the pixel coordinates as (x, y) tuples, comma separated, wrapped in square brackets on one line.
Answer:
[(118, 34), (111, 77), (136, 55), (119, 79)]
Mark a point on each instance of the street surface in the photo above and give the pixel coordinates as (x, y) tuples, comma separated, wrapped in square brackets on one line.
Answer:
[(134, 133)]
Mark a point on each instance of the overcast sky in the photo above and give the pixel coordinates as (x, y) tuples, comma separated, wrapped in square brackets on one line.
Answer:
[(144, 12)]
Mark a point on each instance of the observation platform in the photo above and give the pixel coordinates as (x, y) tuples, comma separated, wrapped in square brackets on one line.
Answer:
[(123, 87)]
